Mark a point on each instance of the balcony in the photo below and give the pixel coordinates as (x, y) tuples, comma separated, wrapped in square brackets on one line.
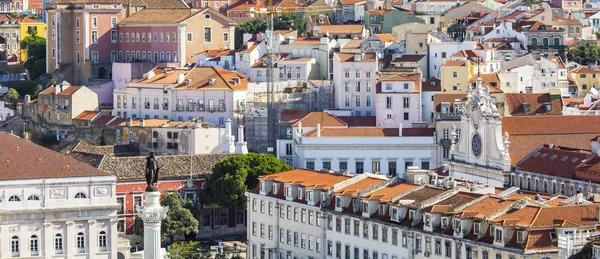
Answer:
[(201, 108), (165, 106), (156, 106), (451, 116), (214, 108), (546, 47), (179, 108), (147, 106), (191, 108)]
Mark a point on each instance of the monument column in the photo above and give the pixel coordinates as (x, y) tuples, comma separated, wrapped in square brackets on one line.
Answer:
[(152, 213)]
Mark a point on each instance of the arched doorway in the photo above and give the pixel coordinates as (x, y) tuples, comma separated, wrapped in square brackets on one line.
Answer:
[(102, 73), (120, 255)]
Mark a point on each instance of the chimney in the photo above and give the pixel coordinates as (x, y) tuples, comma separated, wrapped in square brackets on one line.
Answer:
[(595, 145), (578, 197), (211, 81), (240, 133), (150, 74), (197, 124), (142, 123), (400, 130), (318, 130), (57, 89), (300, 127), (228, 127), (180, 78)]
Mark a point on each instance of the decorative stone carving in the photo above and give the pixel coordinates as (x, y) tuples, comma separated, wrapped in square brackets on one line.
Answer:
[(47, 225), (33, 228), (15, 229), (57, 227), (101, 191), (80, 226), (57, 193), (152, 215)]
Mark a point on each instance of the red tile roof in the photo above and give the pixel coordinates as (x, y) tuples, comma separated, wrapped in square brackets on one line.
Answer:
[(325, 119), (514, 103), (21, 159), (307, 178), (87, 115), (371, 132), (555, 161)]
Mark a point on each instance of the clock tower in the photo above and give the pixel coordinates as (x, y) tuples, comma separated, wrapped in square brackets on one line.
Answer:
[(479, 150)]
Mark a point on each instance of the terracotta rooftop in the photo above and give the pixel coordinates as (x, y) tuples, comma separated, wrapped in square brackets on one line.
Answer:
[(415, 198), (486, 78), (449, 98), (517, 217), (408, 58), (87, 115), (324, 118), (432, 84), (103, 120), (158, 16), (147, 122), (455, 63), (21, 159), (307, 178), (572, 131), (359, 121), (388, 192), (350, 57), (69, 90), (536, 101), (355, 188), (581, 215), (555, 161), (585, 70), (157, 4), (450, 203), (371, 132), (386, 37), (481, 209)]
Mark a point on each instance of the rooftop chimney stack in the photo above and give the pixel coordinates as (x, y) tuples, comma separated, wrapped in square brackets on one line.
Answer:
[(318, 130), (180, 78)]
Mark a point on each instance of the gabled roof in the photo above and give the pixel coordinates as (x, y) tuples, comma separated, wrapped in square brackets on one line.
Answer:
[(69, 90), (361, 185), (385, 194), (22, 159), (432, 84), (325, 119), (159, 16)]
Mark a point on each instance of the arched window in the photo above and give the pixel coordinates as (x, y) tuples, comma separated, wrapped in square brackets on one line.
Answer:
[(545, 42), (33, 245), (17, 6), (102, 241), (14, 198), (14, 246), (556, 41), (58, 244), (80, 243), (80, 195), (33, 197), (534, 41)]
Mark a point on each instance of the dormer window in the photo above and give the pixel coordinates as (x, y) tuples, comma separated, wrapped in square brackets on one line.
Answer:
[(445, 222), (520, 236), (457, 226), (338, 202), (428, 220), (309, 195), (275, 188), (382, 210), (288, 191), (300, 193), (263, 186), (498, 235), (411, 214), (476, 228), (394, 213), (365, 207), (553, 236)]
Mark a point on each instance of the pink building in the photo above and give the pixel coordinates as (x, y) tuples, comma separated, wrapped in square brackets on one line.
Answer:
[(149, 36), (82, 36)]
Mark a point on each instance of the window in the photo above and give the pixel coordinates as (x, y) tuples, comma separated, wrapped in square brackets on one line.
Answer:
[(58, 244), (80, 243), (14, 246), (94, 56), (448, 248), (262, 230), (338, 224), (207, 34), (14, 198), (498, 235), (77, 37), (94, 37), (359, 167), (102, 241), (343, 165), (81, 195), (33, 197), (225, 37), (443, 54), (253, 228), (113, 22), (365, 230), (454, 74), (388, 102), (406, 116), (438, 247), (94, 22), (476, 226), (189, 37)]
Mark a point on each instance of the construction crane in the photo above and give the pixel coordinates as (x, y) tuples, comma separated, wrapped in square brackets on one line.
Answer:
[(270, 10)]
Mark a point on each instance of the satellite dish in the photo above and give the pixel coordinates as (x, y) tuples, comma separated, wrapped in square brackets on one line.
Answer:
[(594, 91)]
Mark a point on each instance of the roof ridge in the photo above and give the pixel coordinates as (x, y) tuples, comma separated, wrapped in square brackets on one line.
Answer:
[(536, 216)]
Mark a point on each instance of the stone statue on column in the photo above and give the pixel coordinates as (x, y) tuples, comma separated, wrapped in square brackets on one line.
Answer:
[(152, 213)]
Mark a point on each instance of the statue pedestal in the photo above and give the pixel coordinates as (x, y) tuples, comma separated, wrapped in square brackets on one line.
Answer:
[(152, 214)]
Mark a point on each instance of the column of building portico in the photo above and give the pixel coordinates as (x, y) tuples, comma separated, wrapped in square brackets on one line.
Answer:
[(69, 238), (3, 240), (46, 248), (92, 238), (113, 244)]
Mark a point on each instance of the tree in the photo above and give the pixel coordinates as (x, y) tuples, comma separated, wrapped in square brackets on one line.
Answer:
[(190, 250), (585, 54), (36, 91), (179, 218), (251, 26), (11, 95), (289, 21), (36, 54), (233, 176)]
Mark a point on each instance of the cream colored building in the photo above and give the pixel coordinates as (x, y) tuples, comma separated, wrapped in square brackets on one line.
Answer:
[(59, 104)]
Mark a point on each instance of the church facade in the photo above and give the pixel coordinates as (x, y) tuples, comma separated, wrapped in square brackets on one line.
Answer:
[(479, 149)]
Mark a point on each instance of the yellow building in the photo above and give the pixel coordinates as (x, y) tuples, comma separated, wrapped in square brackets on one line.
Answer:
[(585, 78), (28, 26), (455, 75)]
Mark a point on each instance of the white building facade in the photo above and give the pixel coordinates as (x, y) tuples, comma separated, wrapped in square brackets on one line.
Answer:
[(354, 79), (61, 208), (398, 100)]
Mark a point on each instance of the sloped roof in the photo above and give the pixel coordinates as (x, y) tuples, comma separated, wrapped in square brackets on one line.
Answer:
[(514, 103), (159, 16), (555, 161), (307, 178), (342, 29), (22, 159), (325, 119), (87, 115)]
